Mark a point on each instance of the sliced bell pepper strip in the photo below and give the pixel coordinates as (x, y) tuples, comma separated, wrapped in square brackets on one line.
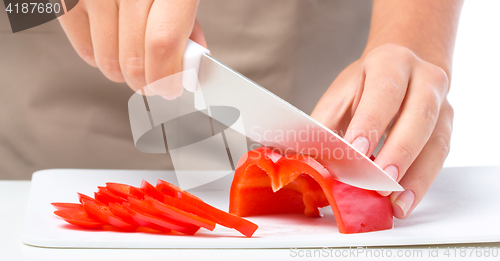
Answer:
[(180, 214), (75, 214), (125, 191), (174, 191), (178, 203), (156, 199), (229, 220), (105, 196), (100, 211), (152, 191), (266, 182), (122, 213), (80, 219), (143, 212), (83, 196), (178, 225)]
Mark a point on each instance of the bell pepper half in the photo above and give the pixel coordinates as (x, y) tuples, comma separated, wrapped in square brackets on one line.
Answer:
[(266, 182)]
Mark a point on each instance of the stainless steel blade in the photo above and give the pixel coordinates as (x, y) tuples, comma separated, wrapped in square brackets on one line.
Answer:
[(271, 121)]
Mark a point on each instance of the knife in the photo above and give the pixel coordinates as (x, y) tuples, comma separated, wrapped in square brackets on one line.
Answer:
[(272, 121)]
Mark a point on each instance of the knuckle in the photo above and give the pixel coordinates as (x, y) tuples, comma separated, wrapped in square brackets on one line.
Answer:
[(394, 51), (442, 143), (448, 109), (110, 66), (422, 182), (405, 154), (134, 69), (162, 40), (438, 75), (87, 55), (389, 87), (390, 52), (451, 112), (404, 54), (429, 112), (373, 123)]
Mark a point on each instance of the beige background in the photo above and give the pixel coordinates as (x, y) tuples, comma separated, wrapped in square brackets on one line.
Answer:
[(58, 112)]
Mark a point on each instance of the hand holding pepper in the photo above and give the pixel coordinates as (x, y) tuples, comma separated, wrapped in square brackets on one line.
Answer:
[(400, 84)]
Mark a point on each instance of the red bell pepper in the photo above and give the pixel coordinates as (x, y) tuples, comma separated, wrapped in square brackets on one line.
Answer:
[(101, 212), (124, 191), (266, 182), (78, 218), (195, 205), (143, 212), (162, 208), (105, 196)]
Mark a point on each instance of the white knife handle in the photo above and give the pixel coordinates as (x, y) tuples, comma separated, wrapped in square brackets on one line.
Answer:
[(192, 58)]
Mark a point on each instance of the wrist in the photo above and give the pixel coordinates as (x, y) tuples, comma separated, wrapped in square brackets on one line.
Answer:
[(425, 27)]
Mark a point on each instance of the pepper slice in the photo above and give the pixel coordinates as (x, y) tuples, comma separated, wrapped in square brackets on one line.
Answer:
[(122, 212), (178, 203), (100, 211), (83, 196), (172, 190), (141, 210), (218, 216), (152, 191), (105, 196), (75, 214), (267, 182), (125, 191), (180, 214), (156, 199)]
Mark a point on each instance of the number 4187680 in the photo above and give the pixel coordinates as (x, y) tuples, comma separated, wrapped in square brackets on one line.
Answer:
[(471, 252), (34, 7)]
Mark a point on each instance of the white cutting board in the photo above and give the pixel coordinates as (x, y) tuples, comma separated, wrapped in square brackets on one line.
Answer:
[(462, 206)]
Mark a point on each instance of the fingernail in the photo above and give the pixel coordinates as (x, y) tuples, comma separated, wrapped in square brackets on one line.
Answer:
[(392, 171), (362, 144), (384, 193), (405, 201)]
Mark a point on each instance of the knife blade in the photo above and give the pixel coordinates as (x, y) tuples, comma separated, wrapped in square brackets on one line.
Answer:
[(271, 121)]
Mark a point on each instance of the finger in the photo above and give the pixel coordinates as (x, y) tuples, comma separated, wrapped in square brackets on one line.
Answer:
[(76, 26), (103, 17), (197, 34), (169, 26), (426, 166), (416, 121), (132, 34), (384, 89)]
